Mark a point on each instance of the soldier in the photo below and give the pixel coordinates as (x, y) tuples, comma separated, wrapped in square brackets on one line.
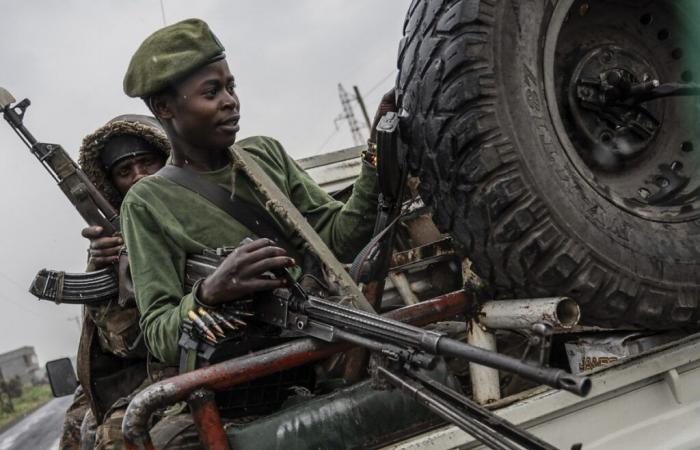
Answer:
[(111, 355), (181, 73)]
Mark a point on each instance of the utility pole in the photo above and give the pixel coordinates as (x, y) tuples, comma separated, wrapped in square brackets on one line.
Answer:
[(361, 102), (349, 115)]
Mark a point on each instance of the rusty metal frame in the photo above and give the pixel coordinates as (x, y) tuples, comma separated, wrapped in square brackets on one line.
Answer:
[(206, 416), (255, 365), (422, 256)]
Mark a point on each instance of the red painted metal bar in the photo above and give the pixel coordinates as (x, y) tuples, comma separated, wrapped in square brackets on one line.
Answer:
[(207, 420), (265, 362)]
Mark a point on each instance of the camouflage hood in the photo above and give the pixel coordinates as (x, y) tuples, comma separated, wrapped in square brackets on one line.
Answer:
[(89, 159)]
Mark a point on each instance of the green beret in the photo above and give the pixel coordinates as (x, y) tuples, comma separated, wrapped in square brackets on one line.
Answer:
[(170, 54)]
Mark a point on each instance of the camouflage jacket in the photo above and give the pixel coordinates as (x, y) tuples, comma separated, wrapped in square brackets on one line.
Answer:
[(111, 353)]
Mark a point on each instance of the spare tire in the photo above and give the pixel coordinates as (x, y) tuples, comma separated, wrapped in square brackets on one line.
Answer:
[(547, 149)]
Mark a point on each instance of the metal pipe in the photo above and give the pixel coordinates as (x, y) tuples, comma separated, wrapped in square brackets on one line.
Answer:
[(265, 362), (403, 287), (559, 312), (207, 420), (486, 384)]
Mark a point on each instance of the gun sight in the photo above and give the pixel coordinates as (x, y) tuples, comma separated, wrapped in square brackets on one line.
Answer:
[(6, 98)]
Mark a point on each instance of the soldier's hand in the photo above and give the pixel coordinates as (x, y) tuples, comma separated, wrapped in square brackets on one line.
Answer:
[(387, 104), (241, 273), (104, 250)]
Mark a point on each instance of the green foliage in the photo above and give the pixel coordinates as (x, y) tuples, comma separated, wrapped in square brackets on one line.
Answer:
[(32, 396), (14, 387)]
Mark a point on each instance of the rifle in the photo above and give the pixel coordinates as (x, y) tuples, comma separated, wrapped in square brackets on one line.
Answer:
[(89, 202)]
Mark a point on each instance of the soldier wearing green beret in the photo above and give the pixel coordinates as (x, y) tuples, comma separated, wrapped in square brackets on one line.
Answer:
[(181, 73)]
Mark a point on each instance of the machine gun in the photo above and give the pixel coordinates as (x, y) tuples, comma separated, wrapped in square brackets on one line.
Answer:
[(405, 350), (90, 203)]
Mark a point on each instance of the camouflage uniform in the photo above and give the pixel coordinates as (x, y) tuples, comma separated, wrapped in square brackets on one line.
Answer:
[(111, 355), (70, 440)]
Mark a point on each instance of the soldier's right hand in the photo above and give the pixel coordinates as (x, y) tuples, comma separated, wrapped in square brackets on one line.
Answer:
[(242, 273), (104, 250)]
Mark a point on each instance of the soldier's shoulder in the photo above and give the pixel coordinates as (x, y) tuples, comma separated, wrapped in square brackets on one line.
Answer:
[(258, 144), (265, 149), (148, 187)]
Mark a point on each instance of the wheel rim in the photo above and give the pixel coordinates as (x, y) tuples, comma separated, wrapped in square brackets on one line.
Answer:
[(601, 59)]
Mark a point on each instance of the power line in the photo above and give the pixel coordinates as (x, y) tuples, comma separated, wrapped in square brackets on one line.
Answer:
[(5, 276), (347, 104), (379, 83), (328, 139), (15, 302), (21, 306)]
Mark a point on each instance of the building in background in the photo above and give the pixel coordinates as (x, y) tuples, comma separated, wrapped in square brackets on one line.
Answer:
[(21, 363)]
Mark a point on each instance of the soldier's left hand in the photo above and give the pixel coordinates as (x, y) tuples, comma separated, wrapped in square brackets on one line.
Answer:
[(104, 250)]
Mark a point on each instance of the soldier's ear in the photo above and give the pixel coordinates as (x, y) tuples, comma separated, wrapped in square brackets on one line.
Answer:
[(161, 105)]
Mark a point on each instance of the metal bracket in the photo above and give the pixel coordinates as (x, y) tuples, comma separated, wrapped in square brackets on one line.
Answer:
[(674, 383), (539, 345)]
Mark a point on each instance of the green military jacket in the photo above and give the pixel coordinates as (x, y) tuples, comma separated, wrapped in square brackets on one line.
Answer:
[(163, 223)]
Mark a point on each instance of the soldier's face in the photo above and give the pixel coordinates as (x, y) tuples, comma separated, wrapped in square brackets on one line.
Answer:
[(206, 110), (128, 171)]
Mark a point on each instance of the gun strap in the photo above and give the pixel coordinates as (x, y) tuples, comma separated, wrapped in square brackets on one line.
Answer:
[(252, 217)]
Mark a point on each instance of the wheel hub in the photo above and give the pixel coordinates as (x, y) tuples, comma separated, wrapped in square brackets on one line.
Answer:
[(623, 105), (615, 128)]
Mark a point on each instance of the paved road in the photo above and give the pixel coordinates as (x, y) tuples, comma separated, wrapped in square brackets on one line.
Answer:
[(40, 430)]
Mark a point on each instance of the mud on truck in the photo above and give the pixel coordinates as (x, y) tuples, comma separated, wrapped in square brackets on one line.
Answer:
[(542, 202)]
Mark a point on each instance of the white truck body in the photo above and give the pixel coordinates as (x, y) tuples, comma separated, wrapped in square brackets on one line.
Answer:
[(647, 401)]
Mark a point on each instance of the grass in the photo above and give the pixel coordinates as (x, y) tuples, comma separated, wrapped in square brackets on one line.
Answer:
[(32, 396)]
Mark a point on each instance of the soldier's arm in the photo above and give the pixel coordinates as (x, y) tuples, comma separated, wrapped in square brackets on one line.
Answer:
[(345, 227), (157, 265)]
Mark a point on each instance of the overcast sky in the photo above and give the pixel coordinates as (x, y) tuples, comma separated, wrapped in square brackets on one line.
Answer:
[(69, 57)]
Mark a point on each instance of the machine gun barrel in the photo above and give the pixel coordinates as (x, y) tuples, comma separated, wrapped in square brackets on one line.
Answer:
[(350, 320)]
